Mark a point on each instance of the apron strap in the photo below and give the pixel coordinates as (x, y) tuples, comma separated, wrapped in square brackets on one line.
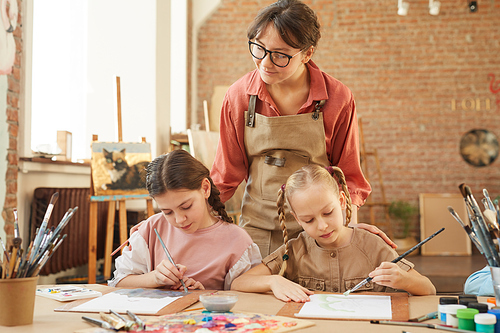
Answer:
[(250, 121), (317, 107)]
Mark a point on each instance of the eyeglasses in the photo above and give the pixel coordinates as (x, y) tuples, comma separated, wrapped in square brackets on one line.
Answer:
[(277, 58)]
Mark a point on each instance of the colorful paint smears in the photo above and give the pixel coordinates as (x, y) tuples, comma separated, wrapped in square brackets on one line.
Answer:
[(237, 322)]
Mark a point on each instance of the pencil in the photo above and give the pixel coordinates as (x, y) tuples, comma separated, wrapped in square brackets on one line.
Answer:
[(368, 279), (169, 257), (119, 248)]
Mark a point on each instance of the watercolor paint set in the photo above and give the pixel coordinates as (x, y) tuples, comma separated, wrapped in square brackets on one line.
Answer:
[(67, 293)]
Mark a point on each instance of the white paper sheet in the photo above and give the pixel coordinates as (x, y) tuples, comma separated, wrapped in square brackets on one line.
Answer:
[(119, 302), (347, 307)]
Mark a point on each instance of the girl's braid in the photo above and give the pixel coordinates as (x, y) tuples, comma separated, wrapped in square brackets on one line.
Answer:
[(281, 213), (216, 203), (340, 176)]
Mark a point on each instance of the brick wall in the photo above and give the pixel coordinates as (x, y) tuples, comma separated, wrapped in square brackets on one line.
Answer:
[(420, 82), (12, 111)]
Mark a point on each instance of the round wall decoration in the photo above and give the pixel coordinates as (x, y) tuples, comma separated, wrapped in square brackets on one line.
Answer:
[(479, 147)]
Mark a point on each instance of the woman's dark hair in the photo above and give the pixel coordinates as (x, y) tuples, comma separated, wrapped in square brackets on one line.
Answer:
[(179, 170), (297, 24)]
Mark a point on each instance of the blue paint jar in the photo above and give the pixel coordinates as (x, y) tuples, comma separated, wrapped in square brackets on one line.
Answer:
[(485, 322), (496, 312)]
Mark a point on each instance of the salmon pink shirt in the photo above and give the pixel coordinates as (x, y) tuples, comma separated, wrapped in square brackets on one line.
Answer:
[(213, 256)]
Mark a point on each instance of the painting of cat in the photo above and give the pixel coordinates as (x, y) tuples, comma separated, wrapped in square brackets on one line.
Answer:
[(119, 168), (123, 176)]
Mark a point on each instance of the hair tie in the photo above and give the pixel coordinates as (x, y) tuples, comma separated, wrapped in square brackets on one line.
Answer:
[(285, 257), (283, 188), (329, 169)]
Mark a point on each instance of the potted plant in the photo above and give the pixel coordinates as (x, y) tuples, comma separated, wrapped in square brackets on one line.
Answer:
[(403, 212)]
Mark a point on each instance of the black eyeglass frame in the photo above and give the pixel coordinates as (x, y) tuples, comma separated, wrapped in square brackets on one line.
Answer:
[(266, 51)]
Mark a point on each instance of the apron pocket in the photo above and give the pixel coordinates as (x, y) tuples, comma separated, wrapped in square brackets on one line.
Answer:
[(277, 166)]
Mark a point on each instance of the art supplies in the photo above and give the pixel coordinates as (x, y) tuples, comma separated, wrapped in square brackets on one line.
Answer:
[(169, 257), (398, 302), (224, 321), (484, 230), (67, 293), (20, 264), (141, 301), (403, 323), (432, 315), (332, 306), (368, 279)]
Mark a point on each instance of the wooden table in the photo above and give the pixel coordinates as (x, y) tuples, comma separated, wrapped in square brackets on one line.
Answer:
[(46, 320)]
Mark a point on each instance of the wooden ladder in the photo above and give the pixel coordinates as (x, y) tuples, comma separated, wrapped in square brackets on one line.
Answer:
[(364, 154)]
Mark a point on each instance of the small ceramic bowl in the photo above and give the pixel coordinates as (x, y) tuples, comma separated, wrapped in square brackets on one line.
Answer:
[(219, 301)]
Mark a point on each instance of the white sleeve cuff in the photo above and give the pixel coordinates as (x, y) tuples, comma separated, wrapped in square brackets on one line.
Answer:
[(132, 262), (250, 258)]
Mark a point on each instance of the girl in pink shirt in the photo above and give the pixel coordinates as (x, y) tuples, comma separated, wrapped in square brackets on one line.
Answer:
[(327, 255), (210, 251)]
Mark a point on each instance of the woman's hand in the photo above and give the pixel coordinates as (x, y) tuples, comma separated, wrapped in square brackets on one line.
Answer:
[(390, 275), (287, 290), (374, 230)]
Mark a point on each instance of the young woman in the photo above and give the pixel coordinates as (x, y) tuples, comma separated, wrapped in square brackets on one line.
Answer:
[(283, 115), (327, 255), (210, 251)]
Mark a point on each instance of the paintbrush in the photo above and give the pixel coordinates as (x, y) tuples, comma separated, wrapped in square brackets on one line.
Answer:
[(467, 229), (45, 221), (480, 227), (5, 253), (170, 258), (368, 279), (119, 248), (137, 320), (488, 200), (16, 224), (114, 322)]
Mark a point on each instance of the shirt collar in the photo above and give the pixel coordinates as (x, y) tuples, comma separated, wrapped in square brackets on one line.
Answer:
[(318, 87)]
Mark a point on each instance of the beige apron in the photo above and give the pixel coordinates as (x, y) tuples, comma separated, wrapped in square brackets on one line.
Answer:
[(276, 147)]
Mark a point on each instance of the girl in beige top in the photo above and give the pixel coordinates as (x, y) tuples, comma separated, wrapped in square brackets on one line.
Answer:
[(327, 255)]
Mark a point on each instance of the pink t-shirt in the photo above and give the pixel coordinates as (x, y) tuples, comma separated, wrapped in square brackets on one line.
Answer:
[(209, 253)]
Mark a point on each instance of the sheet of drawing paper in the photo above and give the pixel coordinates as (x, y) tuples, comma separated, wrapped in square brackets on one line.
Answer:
[(133, 300), (347, 307)]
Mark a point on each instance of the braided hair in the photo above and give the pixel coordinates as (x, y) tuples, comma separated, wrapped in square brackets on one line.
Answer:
[(179, 170), (302, 178)]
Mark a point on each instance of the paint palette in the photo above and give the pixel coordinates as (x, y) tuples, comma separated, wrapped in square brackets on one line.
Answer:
[(224, 322), (219, 301)]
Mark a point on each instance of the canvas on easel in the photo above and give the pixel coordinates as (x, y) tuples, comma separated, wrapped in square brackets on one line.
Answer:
[(119, 167)]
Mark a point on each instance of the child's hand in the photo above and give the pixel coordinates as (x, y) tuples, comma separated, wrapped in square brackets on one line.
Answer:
[(167, 274), (390, 275), (190, 284), (287, 290)]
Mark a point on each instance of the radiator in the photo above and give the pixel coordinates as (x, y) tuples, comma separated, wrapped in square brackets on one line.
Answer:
[(73, 251)]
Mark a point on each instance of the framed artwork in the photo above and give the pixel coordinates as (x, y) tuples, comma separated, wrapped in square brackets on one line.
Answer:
[(479, 147), (119, 168)]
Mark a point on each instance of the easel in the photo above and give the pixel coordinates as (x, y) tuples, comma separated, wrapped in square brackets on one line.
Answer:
[(122, 211), (369, 201)]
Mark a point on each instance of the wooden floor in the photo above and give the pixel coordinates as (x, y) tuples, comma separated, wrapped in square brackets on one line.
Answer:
[(448, 273)]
